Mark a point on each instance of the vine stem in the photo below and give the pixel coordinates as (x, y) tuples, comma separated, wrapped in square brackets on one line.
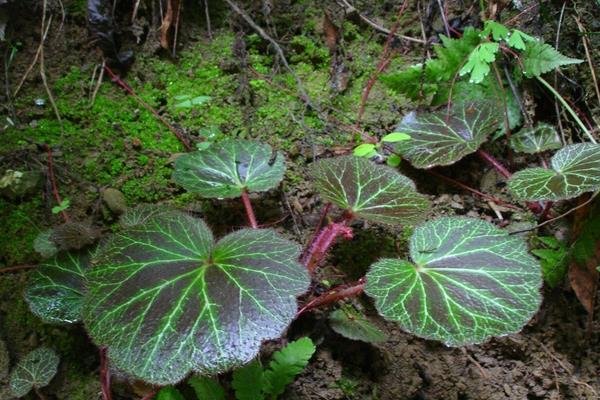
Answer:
[(568, 108), (104, 374), (117, 79), (150, 395), (535, 207), (53, 181), (337, 293), (249, 210), (39, 394), (494, 163)]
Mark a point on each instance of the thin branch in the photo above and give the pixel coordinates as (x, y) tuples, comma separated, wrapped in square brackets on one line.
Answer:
[(378, 27), (556, 46), (277, 48), (475, 191), (334, 294), (53, 181), (585, 41), (588, 201), (207, 17), (383, 63), (129, 90), (568, 108), (16, 268)]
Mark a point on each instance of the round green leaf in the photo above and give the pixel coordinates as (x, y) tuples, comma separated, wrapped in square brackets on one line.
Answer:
[(228, 168), (56, 289), (535, 140), (468, 281), (167, 300), (44, 245), (374, 192), (439, 138), (36, 370), (355, 326), (575, 170)]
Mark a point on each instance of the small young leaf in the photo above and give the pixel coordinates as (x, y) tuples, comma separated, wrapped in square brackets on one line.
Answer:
[(66, 203), (167, 300), (498, 31), (56, 289), (395, 137), (364, 150), (169, 393), (575, 170), (539, 58), (518, 38), (535, 140), (355, 326), (468, 281), (393, 160), (189, 102), (44, 245), (248, 382), (36, 370), (206, 388), (553, 259), (420, 81), (374, 192), (441, 139), (228, 168), (478, 64), (286, 364)]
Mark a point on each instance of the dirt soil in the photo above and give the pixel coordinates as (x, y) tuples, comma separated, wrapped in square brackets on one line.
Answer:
[(557, 356)]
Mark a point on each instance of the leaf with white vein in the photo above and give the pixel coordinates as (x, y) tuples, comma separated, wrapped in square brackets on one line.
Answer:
[(467, 281), (374, 192), (167, 300)]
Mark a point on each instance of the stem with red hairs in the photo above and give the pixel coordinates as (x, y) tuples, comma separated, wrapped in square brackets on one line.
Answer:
[(104, 374), (337, 293), (117, 79), (535, 207), (53, 181), (150, 395), (249, 210), (324, 241), (474, 191), (324, 213)]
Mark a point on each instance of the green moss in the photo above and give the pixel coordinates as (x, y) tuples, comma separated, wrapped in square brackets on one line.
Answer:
[(19, 230)]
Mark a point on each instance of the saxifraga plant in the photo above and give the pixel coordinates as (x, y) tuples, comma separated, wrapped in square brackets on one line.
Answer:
[(167, 299)]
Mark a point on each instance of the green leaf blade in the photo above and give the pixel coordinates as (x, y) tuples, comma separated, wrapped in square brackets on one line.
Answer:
[(228, 168), (355, 327), (206, 388), (575, 170), (166, 300), (56, 289), (441, 139), (468, 281), (539, 58), (248, 382), (36, 370), (540, 138), (287, 363), (374, 192), (478, 64)]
